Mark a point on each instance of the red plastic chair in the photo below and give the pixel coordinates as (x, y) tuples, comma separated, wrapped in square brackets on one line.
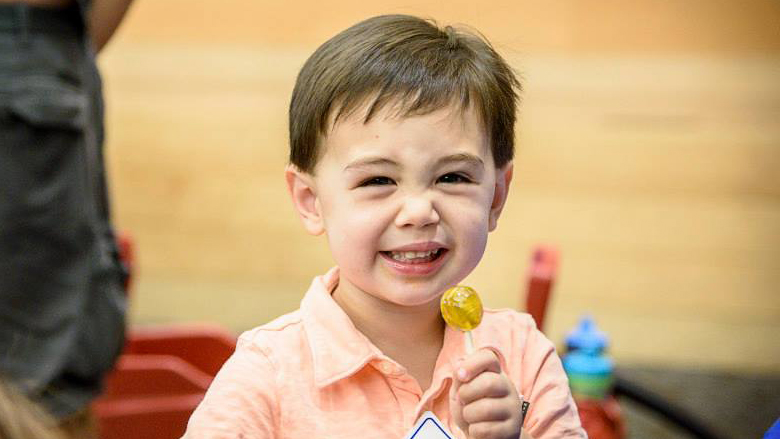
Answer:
[(601, 419), (541, 278), (163, 417), (149, 396), (161, 376), (159, 380), (154, 375), (204, 346)]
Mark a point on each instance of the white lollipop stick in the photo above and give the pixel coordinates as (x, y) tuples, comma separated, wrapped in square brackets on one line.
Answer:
[(469, 343)]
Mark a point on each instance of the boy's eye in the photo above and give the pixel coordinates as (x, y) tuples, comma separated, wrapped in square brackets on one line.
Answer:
[(377, 181), (454, 178)]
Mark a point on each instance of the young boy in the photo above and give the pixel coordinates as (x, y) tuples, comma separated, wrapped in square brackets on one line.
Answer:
[(401, 145)]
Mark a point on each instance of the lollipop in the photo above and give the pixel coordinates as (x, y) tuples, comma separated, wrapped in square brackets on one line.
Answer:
[(462, 309)]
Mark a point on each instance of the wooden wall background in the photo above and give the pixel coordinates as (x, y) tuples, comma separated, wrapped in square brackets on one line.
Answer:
[(649, 154)]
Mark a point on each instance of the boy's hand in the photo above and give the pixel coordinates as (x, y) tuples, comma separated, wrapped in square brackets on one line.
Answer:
[(483, 401)]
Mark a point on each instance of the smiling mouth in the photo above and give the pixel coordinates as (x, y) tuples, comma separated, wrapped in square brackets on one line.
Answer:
[(415, 257)]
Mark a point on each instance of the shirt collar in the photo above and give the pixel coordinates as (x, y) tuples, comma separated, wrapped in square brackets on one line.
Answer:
[(338, 349)]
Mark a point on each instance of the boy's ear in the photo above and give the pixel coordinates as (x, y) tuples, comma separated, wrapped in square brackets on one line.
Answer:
[(503, 178), (304, 198)]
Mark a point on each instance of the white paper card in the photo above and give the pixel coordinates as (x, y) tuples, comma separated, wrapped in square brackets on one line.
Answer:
[(429, 427)]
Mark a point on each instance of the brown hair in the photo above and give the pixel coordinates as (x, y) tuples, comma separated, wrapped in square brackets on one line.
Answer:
[(411, 63)]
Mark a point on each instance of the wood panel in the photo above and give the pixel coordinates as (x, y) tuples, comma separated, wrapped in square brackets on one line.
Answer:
[(648, 152)]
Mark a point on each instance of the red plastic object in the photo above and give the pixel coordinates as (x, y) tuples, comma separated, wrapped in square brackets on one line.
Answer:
[(159, 380), (149, 396), (154, 375), (204, 346), (162, 374), (541, 277), (602, 419), (126, 247), (162, 417)]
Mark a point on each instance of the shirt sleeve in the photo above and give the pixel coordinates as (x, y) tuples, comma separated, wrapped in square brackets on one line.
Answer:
[(242, 400), (552, 413)]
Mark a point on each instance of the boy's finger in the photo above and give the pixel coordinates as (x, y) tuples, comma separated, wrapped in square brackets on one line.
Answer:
[(486, 410), (456, 407), (483, 360), (485, 385), (483, 430)]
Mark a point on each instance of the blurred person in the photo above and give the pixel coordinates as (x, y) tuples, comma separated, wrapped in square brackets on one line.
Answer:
[(401, 138), (62, 300)]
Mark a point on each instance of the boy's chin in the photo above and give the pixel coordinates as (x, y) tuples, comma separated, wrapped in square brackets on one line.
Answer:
[(411, 297), (409, 292)]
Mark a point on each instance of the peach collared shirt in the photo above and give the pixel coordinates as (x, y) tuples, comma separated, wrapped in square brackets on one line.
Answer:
[(312, 374)]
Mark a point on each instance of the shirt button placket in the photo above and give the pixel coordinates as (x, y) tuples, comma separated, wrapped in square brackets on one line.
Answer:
[(404, 389), (409, 403)]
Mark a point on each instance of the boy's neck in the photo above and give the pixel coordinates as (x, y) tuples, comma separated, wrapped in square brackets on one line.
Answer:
[(398, 331)]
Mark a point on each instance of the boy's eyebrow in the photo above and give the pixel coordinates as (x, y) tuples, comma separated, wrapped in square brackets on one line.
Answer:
[(370, 161), (470, 159)]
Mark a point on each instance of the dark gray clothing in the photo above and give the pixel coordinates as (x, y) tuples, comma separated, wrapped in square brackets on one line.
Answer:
[(62, 303)]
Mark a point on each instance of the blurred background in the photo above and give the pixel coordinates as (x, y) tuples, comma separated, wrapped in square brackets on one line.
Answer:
[(648, 154)]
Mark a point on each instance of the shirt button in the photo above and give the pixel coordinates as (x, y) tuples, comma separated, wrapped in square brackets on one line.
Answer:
[(386, 367)]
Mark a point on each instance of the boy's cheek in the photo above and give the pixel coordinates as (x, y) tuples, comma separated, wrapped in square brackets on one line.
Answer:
[(474, 213)]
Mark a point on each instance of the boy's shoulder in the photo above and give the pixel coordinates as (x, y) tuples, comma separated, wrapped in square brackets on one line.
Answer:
[(509, 329), (508, 318), (281, 333)]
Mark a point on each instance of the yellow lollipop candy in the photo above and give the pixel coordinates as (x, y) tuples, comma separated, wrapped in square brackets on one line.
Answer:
[(462, 309)]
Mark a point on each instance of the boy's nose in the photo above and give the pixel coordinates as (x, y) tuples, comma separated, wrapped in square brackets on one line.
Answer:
[(417, 211)]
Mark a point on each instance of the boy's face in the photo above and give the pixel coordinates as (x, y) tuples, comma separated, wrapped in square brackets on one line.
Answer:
[(406, 203)]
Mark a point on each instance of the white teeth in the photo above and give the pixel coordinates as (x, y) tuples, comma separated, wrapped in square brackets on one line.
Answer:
[(412, 256)]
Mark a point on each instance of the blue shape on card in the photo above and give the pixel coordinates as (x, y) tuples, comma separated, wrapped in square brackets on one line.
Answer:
[(428, 427)]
